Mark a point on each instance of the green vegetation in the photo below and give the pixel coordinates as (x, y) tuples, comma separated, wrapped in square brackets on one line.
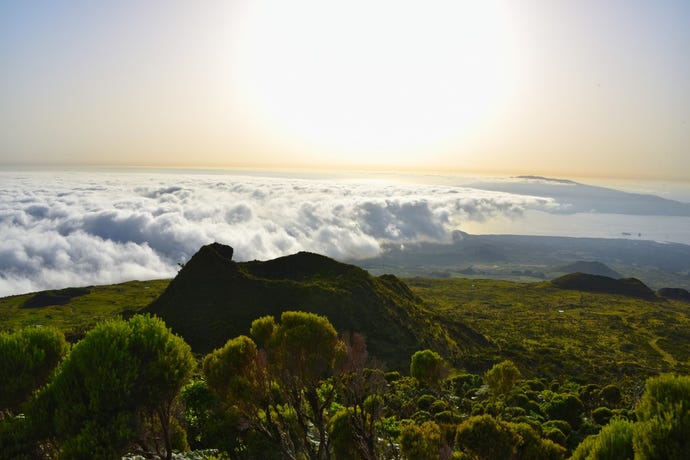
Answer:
[(300, 391), (562, 334), (281, 394), (117, 387), (27, 358), (428, 367), (614, 442), (502, 377), (496, 369), (75, 311), (213, 299), (663, 419), (473, 324)]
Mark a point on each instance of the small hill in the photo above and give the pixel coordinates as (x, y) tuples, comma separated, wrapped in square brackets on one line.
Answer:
[(630, 287), (674, 293), (213, 299), (55, 297), (590, 268)]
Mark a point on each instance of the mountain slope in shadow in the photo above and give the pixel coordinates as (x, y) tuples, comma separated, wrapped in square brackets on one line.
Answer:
[(630, 287), (213, 299)]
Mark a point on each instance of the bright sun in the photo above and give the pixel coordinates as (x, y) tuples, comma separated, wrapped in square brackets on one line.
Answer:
[(374, 81)]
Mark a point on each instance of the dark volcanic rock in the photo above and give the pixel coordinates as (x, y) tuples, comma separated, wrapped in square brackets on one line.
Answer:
[(221, 249)]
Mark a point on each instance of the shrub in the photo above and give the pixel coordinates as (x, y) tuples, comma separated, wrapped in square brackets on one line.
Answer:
[(566, 407), (421, 442), (611, 394), (562, 425), (518, 400), (584, 449), (438, 406), (424, 402), (421, 416), (502, 377), (663, 427), (555, 435), (602, 415), (485, 438), (27, 358), (232, 370), (447, 416), (513, 412), (279, 383), (614, 442), (462, 383), (535, 385), (342, 436), (120, 378), (534, 447), (16, 439), (428, 367)]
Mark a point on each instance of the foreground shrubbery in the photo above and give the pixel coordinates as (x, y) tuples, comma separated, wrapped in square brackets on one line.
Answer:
[(295, 389), (116, 390)]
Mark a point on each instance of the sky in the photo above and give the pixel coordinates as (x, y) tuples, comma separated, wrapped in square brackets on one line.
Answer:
[(564, 88)]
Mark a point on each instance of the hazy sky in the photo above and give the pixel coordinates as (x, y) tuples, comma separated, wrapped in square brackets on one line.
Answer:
[(571, 88)]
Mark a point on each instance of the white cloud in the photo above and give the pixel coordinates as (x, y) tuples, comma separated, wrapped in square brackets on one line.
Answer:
[(69, 229)]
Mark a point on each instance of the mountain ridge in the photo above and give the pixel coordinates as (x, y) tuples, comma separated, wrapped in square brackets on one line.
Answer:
[(213, 299)]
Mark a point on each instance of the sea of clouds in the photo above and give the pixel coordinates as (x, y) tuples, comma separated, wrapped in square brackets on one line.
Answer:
[(61, 229)]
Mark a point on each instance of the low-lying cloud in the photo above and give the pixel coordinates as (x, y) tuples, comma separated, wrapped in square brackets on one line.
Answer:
[(73, 229)]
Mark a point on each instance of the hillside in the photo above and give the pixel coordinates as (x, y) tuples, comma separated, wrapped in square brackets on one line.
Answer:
[(213, 299), (631, 287), (76, 310), (590, 328), (590, 268), (674, 293), (565, 333)]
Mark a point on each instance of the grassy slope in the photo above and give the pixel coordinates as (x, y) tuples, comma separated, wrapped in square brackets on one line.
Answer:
[(548, 331), (551, 332), (82, 312)]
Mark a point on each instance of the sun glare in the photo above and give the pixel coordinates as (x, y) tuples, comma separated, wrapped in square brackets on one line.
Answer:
[(371, 82)]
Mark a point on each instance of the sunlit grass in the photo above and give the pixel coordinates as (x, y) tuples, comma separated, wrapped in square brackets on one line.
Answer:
[(82, 312), (550, 331), (546, 331)]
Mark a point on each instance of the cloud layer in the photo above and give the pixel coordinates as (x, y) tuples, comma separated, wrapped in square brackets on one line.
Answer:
[(70, 229)]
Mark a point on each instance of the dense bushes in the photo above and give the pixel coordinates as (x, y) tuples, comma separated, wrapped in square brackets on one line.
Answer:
[(116, 388), (294, 389), (279, 388), (27, 357), (663, 427), (614, 442)]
